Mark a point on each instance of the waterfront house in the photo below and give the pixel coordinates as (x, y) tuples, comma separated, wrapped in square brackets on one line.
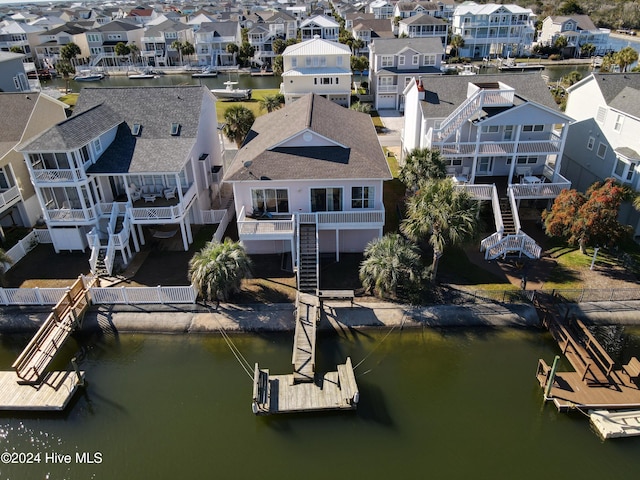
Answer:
[(211, 40), (309, 178), (493, 30), (318, 66), (157, 42), (381, 8), (31, 113), (130, 165), (603, 140), (578, 30), (270, 26), (422, 26), (53, 41), (102, 41), (320, 26), (370, 30), (394, 63), (441, 9), (502, 138), (20, 35)]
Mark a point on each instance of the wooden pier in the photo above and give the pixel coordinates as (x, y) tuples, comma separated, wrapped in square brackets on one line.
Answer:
[(305, 390), (596, 382), (32, 386)]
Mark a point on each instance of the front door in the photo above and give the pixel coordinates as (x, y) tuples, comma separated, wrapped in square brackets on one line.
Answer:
[(485, 166)]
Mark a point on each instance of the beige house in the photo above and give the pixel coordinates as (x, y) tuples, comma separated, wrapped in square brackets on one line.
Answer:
[(317, 66), (31, 114)]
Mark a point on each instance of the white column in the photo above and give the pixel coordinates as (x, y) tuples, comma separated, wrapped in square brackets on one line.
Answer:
[(140, 234), (337, 245), (183, 231)]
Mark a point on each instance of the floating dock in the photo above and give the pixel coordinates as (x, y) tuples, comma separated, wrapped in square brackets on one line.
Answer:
[(31, 386), (305, 390)]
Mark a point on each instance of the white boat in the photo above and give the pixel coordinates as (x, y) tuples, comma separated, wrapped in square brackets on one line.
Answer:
[(136, 75), (231, 92), (621, 423), (206, 72), (468, 69), (88, 76)]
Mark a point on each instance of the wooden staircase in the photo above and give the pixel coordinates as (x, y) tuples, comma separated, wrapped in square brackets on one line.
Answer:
[(308, 264), (507, 217)]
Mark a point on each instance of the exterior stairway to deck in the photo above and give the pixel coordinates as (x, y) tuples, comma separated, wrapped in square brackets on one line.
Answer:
[(507, 217), (308, 263), (304, 341), (459, 116)]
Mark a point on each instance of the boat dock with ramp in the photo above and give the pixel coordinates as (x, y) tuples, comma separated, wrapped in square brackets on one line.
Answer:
[(305, 390)]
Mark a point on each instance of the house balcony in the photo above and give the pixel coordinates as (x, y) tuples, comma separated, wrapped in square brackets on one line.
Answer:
[(387, 88), (41, 176), (154, 207), (471, 40), (364, 219), (9, 198), (549, 146), (274, 227), (547, 186)]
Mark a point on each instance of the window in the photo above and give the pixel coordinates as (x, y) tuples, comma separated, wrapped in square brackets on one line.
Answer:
[(135, 131), (453, 162), (490, 129), (532, 128), (294, 62), (326, 199), (508, 132), (618, 125), (415, 60), (386, 61), (429, 60), (97, 146), (401, 60), (326, 81), (590, 143), (362, 197), (92, 37), (338, 61), (602, 150), (624, 170), (175, 129), (527, 160), (323, 61), (307, 61), (275, 200), (316, 61), (601, 115)]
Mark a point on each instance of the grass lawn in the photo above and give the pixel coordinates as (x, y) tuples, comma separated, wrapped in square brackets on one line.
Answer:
[(253, 104), (70, 99)]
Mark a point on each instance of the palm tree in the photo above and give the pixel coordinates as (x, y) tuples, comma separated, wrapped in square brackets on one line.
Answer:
[(64, 68), (421, 164), (188, 49), (361, 107), (238, 120), (122, 49), (217, 270), (442, 214), (457, 42), (4, 260), (134, 51), (271, 102), (625, 57), (390, 262), (69, 52), (177, 45), (587, 49)]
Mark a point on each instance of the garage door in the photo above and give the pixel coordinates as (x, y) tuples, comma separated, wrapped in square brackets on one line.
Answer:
[(386, 101)]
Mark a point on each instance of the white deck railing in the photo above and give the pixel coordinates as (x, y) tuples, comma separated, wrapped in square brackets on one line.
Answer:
[(58, 175), (538, 190), (477, 191), (141, 295), (9, 196), (31, 296), (266, 226), (356, 219)]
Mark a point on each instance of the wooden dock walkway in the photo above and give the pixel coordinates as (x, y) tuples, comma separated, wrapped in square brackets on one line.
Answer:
[(305, 390), (304, 340), (595, 383), (31, 386)]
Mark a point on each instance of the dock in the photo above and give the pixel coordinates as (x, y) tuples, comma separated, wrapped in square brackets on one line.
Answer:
[(31, 386), (596, 383), (305, 390)]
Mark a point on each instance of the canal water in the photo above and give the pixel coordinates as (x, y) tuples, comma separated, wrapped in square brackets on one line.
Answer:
[(434, 403)]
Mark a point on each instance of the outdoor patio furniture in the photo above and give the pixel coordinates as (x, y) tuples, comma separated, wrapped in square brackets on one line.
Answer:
[(149, 197), (134, 192), (170, 193)]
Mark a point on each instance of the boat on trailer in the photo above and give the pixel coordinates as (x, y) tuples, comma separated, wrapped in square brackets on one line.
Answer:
[(231, 92)]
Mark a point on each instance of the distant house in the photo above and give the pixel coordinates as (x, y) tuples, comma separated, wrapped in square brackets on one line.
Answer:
[(211, 40), (492, 29), (53, 41), (31, 113), (317, 66), (157, 42), (492, 130), (130, 164), (578, 30), (12, 74), (394, 63), (102, 40), (422, 26), (21, 36), (320, 26), (370, 30), (270, 27), (381, 8), (603, 140), (309, 179)]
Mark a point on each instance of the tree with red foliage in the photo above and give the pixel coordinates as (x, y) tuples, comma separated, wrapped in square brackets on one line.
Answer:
[(590, 218)]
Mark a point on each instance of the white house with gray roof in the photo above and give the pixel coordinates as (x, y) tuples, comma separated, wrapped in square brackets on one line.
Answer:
[(320, 26), (577, 29), (309, 180), (422, 26), (130, 164), (490, 130), (603, 140), (156, 41), (493, 29), (211, 40), (102, 41), (317, 66), (394, 63)]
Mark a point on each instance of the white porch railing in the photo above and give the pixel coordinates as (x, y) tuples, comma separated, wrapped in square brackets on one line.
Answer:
[(514, 210), (477, 191), (142, 295), (212, 216), (549, 146), (155, 214), (9, 197), (355, 219), (521, 243), (387, 88), (538, 190), (266, 227), (58, 175)]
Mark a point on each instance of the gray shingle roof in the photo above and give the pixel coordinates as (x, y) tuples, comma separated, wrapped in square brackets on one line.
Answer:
[(391, 46), (224, 29), (20, 105), (628, 101), (611, 84), (423, 19), (445, 93), (357, 153)]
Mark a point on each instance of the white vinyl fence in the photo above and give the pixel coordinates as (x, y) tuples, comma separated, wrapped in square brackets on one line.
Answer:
[(28, 243), (140, 295)]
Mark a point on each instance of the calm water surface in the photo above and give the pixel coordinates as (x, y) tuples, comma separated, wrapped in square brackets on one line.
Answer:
[(459, 403)]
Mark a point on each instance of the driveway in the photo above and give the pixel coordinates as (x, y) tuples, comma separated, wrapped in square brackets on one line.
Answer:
[(393, 122)]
